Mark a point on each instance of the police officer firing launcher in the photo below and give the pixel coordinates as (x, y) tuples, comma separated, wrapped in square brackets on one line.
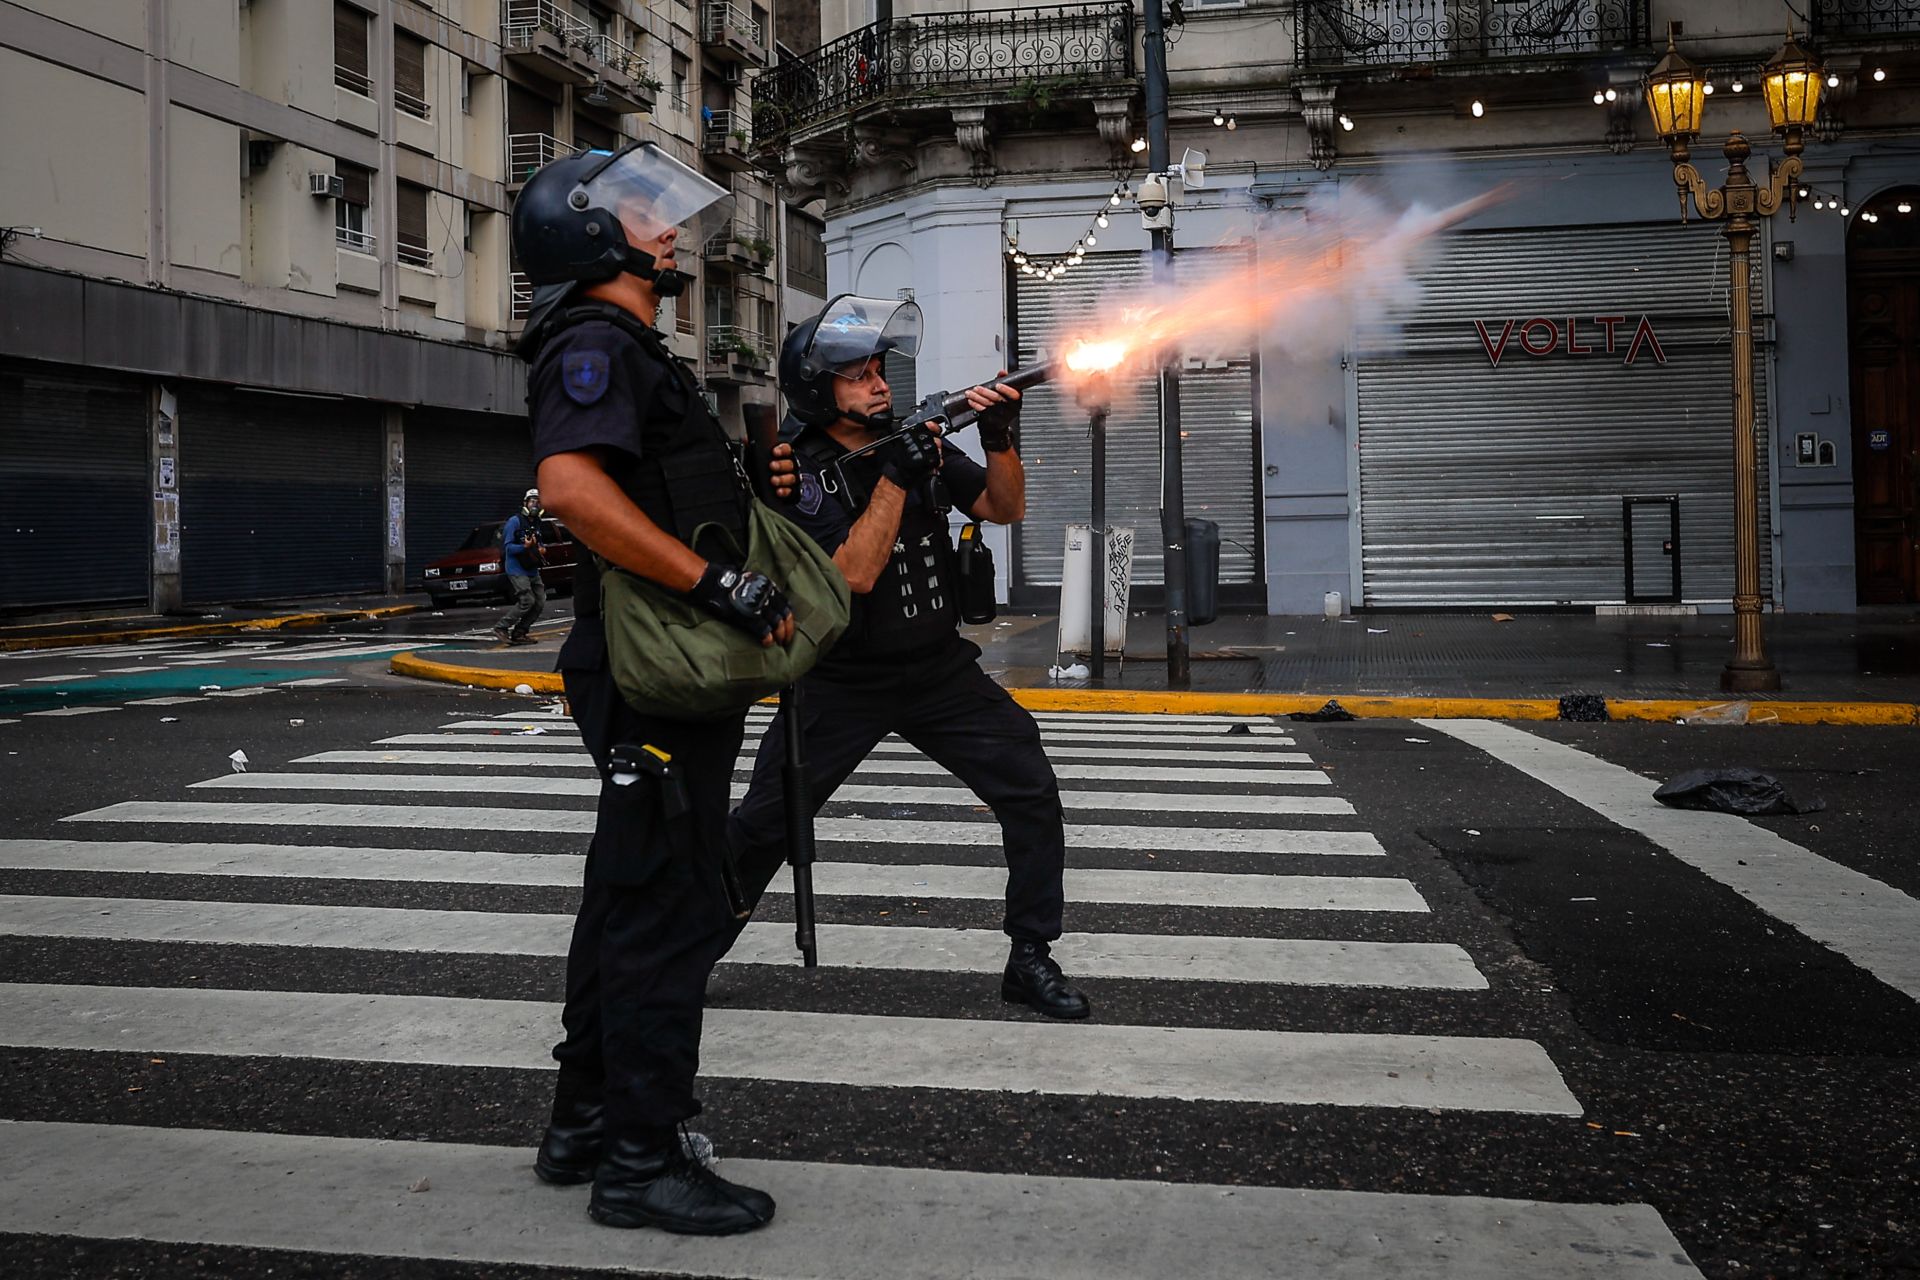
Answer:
[(631, 458), (903, 666)]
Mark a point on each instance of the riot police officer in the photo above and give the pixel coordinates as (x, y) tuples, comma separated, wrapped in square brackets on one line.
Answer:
[(632, 459), (903, 666)]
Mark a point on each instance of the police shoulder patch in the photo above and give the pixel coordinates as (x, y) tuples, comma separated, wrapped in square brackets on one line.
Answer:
[(811, 494), (584, 375)]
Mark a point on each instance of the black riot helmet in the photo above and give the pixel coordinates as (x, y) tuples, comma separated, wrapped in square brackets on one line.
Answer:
[(581, 218), (838, 343)]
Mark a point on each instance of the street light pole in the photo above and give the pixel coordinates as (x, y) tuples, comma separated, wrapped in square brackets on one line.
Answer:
[(1173, 508), (1676, 95)]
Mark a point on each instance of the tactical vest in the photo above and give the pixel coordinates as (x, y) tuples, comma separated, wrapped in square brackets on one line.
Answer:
[(687, 474), (914, 603)]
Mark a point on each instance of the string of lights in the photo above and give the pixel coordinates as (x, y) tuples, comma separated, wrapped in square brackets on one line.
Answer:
[(1051, 267)]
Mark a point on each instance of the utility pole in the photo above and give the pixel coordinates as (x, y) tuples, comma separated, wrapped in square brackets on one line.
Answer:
[(1173, 506)]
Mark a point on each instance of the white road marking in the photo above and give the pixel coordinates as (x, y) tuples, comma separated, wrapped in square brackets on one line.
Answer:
[(165, 702), (318, 654), (1181, 755), (346, 1197), (847, 830), (248, 692), (312, 682), (872, 768), (1278, 961), (76, 675), (1137, 743), (1872, 924), (72, 711), (1462, 1073), (452, 783), (831, 879)]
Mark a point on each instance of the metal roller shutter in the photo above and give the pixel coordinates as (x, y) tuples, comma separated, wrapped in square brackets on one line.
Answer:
[(75, 500), (1484, 484), (1217, 421), (280, 496), (463, 469)]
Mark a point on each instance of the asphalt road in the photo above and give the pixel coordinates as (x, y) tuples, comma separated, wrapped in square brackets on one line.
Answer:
[(1511, 1024)]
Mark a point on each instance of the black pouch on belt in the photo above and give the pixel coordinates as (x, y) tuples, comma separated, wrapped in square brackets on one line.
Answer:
[(652, 820), (976, 576)]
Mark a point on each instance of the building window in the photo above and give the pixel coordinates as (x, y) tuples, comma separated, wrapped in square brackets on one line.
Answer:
[(410, 75), (806, 254), (351, 70), (683, 317), (591, 134), (467, 78), (410, 229), (682, 68), (350, 211), (765, 329)]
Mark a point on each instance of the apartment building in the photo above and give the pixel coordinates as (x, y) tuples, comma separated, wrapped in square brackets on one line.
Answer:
[(1509, 436), (257, 302)]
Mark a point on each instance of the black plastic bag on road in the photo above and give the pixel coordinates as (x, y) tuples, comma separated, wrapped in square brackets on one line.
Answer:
[(1588, 707), (1332, 711), (1746, 792)]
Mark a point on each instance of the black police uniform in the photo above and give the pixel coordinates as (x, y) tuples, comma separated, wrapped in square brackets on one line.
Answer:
[(654, 918), (904, 668)]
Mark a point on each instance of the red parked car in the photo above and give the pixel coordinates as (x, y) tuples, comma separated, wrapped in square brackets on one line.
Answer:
[(477, 571)]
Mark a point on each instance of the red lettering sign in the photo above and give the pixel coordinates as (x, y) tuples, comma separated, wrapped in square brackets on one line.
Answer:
[(1540, 336)]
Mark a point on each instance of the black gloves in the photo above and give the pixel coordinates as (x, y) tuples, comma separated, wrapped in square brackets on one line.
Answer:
[(909, 460), (997, 424), (741, 598)]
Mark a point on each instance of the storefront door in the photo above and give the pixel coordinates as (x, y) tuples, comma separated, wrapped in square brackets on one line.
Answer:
[(1883, 292)]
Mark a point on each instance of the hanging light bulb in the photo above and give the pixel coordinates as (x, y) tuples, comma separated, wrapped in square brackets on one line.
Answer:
[(1738, 85), (1819, 204), (1020, 258), (1611, 94), (1091, 240), (1845, 212), (1232, 124), (1905, 206), (1804, 193), (1219, 116), (1479, 108), (1346, 122), (1139, 145), (1707, 88), (1101, 220), (1599, 98), (1879, 74), (1114, 199), (1833, 82)]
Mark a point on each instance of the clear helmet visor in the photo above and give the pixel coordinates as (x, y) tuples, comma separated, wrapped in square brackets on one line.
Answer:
[(852, 330), (651, 192)]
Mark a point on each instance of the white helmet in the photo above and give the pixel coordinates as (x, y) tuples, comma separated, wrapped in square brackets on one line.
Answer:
[(531, 498)]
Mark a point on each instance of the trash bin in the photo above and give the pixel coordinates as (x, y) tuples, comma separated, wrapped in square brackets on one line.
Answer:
[(1203, 572)]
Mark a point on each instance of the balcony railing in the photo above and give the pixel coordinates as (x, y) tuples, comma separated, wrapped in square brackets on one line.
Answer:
[(419, 108), (733, 342), (717, 16), (526, 152), (937, 54), (744, 235), (1392, 33), (725, 131), (349, 238), (1864, 19), (519, 296), (352, 81), (522, 20), (414, 255), (607, 50)]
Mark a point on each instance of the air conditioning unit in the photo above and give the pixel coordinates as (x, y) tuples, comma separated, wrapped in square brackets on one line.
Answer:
[(326, 185)]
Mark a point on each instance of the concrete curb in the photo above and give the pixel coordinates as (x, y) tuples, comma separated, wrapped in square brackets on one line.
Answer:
[(284, 622), (1278, 704)]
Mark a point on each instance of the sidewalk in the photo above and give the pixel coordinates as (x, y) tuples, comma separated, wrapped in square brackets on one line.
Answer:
[(214, 620), (1863, 668)]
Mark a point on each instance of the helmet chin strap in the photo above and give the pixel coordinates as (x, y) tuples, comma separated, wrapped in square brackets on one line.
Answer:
[(872, 422), (667, 283)]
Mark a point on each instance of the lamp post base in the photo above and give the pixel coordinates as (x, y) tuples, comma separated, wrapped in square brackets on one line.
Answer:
[(1750, 679)]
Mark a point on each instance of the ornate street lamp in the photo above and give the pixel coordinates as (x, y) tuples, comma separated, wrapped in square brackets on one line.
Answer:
[(1677, 96)]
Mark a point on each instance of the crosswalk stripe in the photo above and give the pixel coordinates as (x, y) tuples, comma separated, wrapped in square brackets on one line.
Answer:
[(1094, 772), (347, 1196), (1047, 735), (444, 783), (72, 711), (1196, 958), (316, 653), (1055, 751), (831, 879), (111, 651), (312, 682), (1464, 1073), (166, 702)]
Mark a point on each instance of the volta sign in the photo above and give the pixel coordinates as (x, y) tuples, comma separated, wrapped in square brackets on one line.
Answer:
[(1539, 336)]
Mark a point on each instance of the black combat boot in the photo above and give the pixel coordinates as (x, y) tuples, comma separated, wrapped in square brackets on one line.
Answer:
[(651, 1182), (1033, 977), (576, 1133)]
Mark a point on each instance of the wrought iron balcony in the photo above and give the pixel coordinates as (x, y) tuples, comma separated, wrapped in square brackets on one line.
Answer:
[(1864, 20), (1333, 34), (945, 55)]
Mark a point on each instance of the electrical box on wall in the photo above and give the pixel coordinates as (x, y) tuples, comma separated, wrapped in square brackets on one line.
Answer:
[(1809, 450)]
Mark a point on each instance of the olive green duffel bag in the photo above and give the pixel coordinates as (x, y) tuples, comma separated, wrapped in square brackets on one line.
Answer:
[(672, 658)]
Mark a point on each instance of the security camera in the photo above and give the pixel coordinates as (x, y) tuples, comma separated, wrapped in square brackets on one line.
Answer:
[(1155, 200)]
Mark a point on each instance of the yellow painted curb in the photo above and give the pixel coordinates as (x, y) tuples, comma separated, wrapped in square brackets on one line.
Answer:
[(284, 622), (424, 668), (1141, 701)]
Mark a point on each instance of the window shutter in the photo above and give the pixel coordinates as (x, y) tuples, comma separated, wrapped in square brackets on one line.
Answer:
[(410, 66), (350, 38), (358, 183), (410, 213)]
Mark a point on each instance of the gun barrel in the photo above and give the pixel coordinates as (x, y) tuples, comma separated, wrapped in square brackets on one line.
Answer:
[(960, 415)]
